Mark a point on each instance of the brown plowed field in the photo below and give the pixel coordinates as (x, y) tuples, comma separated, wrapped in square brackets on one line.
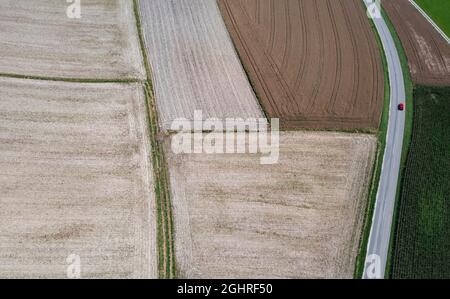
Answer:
[(313, 63), (428, 53)]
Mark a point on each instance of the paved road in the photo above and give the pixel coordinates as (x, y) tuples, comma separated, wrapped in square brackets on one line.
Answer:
[(380, 232)]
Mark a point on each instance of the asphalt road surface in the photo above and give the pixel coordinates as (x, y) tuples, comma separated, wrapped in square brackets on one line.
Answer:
[(380, 233)]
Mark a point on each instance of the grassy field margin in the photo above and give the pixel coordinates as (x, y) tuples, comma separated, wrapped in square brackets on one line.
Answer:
[(166, 253), (70, 80)]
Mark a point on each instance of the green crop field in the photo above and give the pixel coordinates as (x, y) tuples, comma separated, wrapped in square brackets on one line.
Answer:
[(422, 243), (439, 11)]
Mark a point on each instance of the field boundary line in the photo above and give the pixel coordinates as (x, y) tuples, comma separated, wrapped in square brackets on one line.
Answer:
[(70, 80), (165, 230), (165, 241), (430, 20)]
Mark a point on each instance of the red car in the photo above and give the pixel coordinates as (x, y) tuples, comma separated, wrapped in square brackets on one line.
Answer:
[(401, 106)]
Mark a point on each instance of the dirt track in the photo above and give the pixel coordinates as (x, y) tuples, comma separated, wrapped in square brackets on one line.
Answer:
[(235, 218), (428, 53), (313, 63), (38, 39), (75, 178)]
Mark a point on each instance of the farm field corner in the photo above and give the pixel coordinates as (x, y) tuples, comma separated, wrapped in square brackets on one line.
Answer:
[(439, 11), (300, 218), (421, 245), (76, 178), (313, 64), (428, 53), (37, 39)]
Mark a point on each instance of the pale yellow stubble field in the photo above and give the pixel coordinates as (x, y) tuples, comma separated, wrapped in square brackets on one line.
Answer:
[(302, 217), (37, 38), (75, 178)]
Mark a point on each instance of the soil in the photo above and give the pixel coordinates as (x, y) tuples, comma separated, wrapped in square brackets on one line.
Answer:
[(313, 64)]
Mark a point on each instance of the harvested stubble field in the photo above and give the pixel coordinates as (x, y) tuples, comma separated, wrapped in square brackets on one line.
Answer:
[(194, 63), (75, 178), (235, 218), (38, 39), (428, 53), (313, 63)]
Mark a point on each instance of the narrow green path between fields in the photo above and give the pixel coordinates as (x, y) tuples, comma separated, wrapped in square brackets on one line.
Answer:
[(166, 251), (70, 80)]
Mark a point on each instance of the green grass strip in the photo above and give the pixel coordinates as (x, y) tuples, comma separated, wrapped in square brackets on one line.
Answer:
[(71, 80), (167, 267)]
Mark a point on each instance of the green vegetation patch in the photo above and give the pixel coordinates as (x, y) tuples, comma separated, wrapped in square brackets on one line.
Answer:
[(422, 242), (439, 11)]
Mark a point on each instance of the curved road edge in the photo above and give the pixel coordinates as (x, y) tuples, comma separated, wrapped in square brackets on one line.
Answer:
[(381, 227)]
